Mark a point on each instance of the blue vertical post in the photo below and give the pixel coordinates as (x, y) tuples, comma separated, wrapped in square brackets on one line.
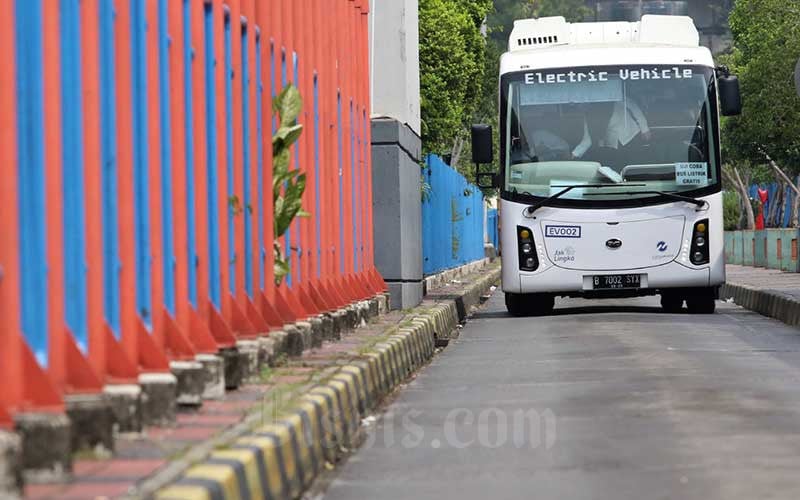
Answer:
[(296, 152), (191, 222), (112, 265), (262, 258), (74, 208), (140, 161), (165, 125), (340, 145), (353, 184), (31, 170), (317, 207), (214, 258), (229, 149), (247, 196)]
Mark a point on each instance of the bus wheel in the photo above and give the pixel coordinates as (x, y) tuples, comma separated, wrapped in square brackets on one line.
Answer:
[(529, 304), (671, 303), (516, 305), (540, 305), (701, 304)]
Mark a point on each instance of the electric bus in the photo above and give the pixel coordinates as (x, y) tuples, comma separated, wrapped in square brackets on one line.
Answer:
[(609, 171)]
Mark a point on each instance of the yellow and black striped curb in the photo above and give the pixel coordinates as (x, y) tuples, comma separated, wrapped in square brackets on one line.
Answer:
[(279, 460), (773, 303)]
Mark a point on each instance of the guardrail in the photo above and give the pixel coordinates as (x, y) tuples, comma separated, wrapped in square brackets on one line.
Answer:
[(135, 182), (769, 248), (452, 218)]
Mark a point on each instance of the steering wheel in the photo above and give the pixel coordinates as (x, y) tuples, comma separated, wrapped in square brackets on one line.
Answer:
[(695, 151)]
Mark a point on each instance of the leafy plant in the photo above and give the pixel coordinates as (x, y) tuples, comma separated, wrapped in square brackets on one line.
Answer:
[(731, 210), (288, 185)]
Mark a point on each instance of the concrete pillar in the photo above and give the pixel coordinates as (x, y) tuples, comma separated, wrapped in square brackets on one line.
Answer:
[(396, 148), (397, 210)]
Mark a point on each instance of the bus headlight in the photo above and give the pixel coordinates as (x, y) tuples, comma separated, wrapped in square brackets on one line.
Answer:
[(700, 251), (525, 244)]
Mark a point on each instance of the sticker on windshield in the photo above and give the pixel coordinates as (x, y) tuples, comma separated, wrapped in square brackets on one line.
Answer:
[(562, 231), (691, 174), (516, 175)]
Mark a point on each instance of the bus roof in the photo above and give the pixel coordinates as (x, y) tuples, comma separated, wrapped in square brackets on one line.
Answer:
[(549, 32)]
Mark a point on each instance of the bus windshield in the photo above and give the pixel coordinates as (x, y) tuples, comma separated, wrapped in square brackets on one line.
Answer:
[(639, 129)]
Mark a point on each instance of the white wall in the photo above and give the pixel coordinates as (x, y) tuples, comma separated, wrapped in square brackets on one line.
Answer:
[(394, 58)]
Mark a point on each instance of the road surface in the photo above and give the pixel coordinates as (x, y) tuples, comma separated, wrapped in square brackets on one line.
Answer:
[(603, 400)]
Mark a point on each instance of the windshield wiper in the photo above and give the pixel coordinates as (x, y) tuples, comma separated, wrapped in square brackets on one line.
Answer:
[(539, 204), (671, 196)]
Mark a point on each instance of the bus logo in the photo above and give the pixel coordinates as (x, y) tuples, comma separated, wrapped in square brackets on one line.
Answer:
[(662, 246), (614, 243), (562, 231)]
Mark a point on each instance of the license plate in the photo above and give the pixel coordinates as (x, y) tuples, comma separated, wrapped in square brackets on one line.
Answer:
[(617, 281)]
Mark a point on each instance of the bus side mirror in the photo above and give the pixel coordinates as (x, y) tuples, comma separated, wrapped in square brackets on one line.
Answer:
[(730, 97), (483, 153), (481, 144)]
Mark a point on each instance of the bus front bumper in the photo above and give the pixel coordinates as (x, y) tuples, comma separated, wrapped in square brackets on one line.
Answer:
[(568, 282)]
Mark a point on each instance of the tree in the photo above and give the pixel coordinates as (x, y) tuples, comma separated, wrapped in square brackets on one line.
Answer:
[(766, 37), (451, 68)]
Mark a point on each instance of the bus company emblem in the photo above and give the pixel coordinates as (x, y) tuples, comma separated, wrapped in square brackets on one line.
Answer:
[(562, 231), (662, 246), (614, 243)]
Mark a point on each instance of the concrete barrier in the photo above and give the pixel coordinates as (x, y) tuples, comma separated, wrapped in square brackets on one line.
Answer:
[(773, 303), (281, 459)]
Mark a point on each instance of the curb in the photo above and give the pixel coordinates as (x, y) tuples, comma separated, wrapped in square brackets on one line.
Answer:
[(281, 459), (772, 303)]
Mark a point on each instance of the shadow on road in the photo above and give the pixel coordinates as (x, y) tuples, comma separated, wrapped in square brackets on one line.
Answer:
[(583, 310)]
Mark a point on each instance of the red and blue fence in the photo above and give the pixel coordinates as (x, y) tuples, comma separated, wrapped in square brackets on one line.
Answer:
[(136, 215), (452, 218)]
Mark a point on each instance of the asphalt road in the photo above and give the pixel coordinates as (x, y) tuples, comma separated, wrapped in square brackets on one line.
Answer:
[(603, 400)]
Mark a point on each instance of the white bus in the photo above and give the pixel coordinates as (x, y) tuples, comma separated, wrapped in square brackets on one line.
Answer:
[(609, 178)]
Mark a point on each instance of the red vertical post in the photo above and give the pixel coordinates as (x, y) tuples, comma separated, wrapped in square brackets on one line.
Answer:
[(56, 326), (178, 131), (238, 181), (220, 78), (90, 56), (345, 72), (154, 175), (252, 79), (264, 12), (219, 320), (129, 322), (68, 368), (25, 385), (200, 159), (269, 16), (337, 166), (305, 155)]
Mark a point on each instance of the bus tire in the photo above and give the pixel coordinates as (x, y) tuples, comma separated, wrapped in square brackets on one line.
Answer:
[(672, 304), (516, 305), (703, 304), (530, 304), (540, 305)]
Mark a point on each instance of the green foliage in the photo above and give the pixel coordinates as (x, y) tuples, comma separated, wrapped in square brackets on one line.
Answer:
[(731, 210), (451, 68), (288, 185), (766, 48)]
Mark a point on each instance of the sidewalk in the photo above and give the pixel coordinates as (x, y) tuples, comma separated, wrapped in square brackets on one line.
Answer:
[(145, 463), (769, 292), (765, 279)]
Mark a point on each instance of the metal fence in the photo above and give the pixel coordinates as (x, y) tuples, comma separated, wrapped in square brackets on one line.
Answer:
[(136, 186), (452, 218)]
